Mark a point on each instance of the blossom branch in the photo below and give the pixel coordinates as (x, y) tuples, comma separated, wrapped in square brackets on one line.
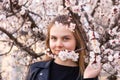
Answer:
[(20, 45), (8, 51)]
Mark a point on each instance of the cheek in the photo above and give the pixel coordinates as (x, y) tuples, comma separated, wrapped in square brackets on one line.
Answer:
[(70, 46), (51, 44)]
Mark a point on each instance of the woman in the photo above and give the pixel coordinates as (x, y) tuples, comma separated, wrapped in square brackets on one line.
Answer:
[(65, 54)]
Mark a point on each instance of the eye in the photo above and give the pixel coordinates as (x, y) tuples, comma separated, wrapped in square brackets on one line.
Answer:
[(66, 38), (53, 38)]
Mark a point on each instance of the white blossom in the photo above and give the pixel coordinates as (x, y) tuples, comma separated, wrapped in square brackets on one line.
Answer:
[(117, 55), (76, 9), (98, 59), (93, 34), (110, 58), (70, 3), (62, 10), (2, 17), (92, 54), (95, 46), (62, 55)]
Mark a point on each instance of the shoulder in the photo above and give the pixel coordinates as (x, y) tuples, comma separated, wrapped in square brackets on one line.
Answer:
[(35, 68), (41, 64)]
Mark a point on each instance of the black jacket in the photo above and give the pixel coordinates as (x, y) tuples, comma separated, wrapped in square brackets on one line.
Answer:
[(40, 71)]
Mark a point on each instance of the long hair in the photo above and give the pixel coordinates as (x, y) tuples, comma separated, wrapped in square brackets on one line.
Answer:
[(66, 20)]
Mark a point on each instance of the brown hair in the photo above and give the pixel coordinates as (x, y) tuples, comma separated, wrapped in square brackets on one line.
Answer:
[(66, 20)]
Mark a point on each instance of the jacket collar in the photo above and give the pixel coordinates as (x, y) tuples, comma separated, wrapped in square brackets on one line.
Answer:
[(43, 64)]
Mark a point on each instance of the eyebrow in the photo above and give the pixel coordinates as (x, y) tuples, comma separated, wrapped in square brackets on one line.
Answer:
[(62, 36)]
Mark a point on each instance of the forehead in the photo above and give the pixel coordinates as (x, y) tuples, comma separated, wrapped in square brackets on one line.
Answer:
[(60, 30)]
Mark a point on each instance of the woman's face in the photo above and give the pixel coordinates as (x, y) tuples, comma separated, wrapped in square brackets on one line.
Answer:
[(61, 39)]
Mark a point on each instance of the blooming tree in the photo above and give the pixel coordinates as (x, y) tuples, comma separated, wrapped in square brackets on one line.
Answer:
[(102, 28), (23, 28)]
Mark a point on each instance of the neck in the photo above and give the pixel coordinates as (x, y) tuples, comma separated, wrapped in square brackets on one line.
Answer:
[(66, 62)]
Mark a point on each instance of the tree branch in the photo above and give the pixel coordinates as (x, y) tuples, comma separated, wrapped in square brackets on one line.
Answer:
[(20, 45), (7, 52)]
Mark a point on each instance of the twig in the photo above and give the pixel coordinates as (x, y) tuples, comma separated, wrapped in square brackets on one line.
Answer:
[(8, 51), (20, 45)]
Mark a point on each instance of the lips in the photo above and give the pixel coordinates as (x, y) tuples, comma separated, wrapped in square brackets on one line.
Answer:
[(57, 51)]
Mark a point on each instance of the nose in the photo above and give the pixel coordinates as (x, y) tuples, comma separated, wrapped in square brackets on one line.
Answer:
[(59, 43)]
